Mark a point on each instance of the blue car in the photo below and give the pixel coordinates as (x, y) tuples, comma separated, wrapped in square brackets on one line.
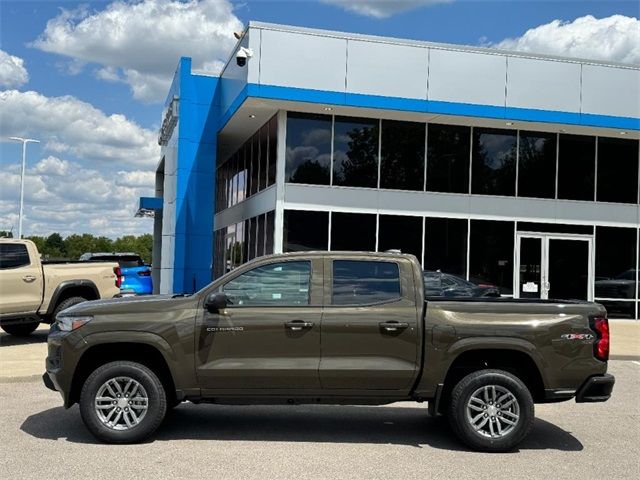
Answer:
[(136, 276)]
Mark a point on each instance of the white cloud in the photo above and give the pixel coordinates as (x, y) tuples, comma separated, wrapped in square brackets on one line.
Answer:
[(66, 197), (12, 71), (66, 124), (140, 42), (382, 8), (614, 38)]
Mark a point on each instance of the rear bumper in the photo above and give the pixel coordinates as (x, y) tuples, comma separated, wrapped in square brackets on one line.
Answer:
[(596, 389)]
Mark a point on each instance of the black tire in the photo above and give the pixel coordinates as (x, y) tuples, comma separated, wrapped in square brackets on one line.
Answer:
[(20, 329), (461, 423), (155, 412), (66, 303)]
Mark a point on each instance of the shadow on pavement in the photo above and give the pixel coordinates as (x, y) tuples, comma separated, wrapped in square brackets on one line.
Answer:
[(328, 424), (39, 336)]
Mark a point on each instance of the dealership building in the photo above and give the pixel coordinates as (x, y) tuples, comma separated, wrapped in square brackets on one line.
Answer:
[(512, 169)]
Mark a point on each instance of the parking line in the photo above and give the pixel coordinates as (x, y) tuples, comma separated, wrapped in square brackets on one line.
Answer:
[(633, 361)]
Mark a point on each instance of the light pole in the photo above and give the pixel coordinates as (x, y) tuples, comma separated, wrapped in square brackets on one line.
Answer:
[(24, 161)]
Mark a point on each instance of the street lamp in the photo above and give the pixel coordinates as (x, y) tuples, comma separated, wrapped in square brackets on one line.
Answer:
[(24, 161)]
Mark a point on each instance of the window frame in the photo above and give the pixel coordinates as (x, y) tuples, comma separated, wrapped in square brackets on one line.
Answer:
[(329, 282), (241, 271)]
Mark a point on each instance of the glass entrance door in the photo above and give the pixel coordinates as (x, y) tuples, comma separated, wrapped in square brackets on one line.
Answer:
[(554, 266)]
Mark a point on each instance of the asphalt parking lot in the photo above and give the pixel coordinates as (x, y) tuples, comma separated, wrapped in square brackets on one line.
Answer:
[(42, 440)]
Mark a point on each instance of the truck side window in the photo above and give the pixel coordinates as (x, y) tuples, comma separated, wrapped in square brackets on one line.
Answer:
[(13, 255), (276, 284), (357, 282)]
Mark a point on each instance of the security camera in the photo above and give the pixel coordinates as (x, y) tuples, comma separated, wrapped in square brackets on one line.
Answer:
[(242, 55)]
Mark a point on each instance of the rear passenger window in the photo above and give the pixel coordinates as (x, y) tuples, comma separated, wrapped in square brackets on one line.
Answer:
[(277, 284), (13, 255), (358, 282)]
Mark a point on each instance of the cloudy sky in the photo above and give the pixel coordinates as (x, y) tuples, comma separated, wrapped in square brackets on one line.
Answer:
[(88, 80)]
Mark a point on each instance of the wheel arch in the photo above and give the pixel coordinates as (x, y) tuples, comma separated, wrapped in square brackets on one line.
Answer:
[(71, 288), (135, 349)]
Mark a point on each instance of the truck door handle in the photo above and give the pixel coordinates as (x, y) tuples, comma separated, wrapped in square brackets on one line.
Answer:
[(393, 326), (28, 278), (297, 325)]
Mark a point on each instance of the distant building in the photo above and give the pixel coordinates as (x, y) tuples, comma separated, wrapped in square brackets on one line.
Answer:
[(513, 169)]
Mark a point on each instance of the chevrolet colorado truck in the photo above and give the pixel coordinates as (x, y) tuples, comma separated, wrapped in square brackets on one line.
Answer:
[(328, 328), (32, 291)]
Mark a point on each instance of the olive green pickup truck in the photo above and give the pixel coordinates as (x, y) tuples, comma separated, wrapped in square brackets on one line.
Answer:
[(328, 327)]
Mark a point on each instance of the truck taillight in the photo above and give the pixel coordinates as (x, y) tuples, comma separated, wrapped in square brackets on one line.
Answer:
[(118, 273), (600, 325)]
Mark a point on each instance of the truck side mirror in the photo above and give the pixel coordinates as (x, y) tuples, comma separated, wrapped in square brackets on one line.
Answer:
[(216, 301)]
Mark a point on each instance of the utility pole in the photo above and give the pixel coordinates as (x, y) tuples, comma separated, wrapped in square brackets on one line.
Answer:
[(24, 161)]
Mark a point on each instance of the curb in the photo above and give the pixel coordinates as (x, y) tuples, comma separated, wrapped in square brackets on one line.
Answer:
[(27, 378), (625, 357)]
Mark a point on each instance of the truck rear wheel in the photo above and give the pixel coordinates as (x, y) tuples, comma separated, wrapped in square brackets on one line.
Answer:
[(491, 410), (122, 402), (20, 329), (66, 303)]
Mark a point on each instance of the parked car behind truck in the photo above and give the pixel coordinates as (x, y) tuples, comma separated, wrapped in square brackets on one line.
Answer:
[(32, 291), (136, 276), (328, 327)]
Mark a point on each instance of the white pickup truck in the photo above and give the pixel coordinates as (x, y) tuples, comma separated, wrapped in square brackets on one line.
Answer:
[(32, 291)]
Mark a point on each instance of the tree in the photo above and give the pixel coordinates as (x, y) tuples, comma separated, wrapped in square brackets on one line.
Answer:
[(54, 246), (6, 234)]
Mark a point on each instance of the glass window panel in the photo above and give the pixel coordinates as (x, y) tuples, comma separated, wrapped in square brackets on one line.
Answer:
[(445, 245), (254, 170), (242, 173), (308, 157), (491, 254), (617, 170), (576, 167), (554, 228), (363, 282), (448, 158), (618, 309), (273, 150), (277, 284), (253, 225), (305, 231), (537, 165), (355, 152), (353, 232), (263, 137), (400, 233), (615, 262), (260, 233), (402, 159), (494, 162), (269, 232), (13, 255)]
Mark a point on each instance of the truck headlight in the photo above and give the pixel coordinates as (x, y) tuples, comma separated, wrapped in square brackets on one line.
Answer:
[(69, 323)]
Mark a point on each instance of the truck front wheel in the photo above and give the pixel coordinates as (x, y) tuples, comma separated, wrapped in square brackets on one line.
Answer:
[(122, 402), (491, 410), (20, 329)]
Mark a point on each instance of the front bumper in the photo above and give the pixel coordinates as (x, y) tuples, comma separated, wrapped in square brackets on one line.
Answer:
[(596, 389), (48, 382)]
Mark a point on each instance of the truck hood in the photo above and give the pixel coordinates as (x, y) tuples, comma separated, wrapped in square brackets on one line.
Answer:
[(144, 303)]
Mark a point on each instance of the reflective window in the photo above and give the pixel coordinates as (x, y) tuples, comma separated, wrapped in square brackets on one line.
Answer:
[(448, 158), (615, 262), (537, 165), (308, 154), (277, 284), (400, 233), (617, 170), (576, 167), (263, 155), (353, 231), (273, 150), (260, 233), (494, 162), (445, 245), (355, 152), (364, 282), (254, 164), (491, 254), (270, 216), (13, 255), (619, 309), (305, 231), (253, 225), (402, 159)]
